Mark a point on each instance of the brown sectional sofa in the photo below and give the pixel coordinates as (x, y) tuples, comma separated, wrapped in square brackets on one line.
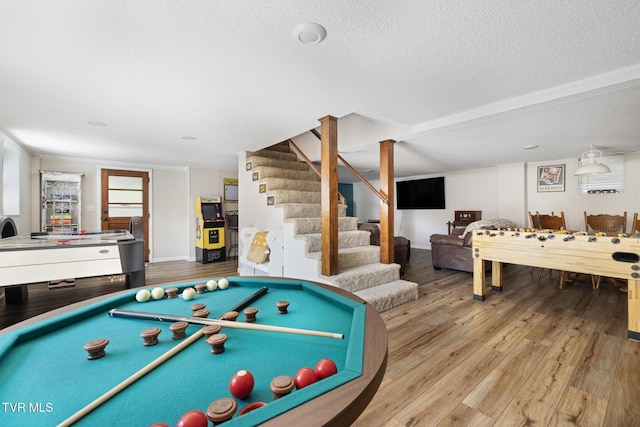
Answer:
[(452, 252)]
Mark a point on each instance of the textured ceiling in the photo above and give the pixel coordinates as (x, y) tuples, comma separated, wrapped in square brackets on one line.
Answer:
[(458, 84)]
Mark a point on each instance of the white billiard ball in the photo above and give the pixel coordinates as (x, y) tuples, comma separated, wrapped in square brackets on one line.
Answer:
[(143, 295), (212, 285), (188, 294), (157, 293), (223, 283)]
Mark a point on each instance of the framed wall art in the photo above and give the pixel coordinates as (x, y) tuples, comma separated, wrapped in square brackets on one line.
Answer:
[(551, 178)]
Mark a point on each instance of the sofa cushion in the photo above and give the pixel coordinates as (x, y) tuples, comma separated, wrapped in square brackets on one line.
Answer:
[(489, 224), (443, 239)]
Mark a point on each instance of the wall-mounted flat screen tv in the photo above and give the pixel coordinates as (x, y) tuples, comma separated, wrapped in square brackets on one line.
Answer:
[(427, 193)]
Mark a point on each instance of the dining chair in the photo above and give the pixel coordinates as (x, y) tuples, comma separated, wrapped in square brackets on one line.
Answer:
[(635, 225), (551, 222), (607, 224), (604, 223)]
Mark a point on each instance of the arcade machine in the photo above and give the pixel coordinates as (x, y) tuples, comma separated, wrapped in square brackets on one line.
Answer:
[(209, 230)]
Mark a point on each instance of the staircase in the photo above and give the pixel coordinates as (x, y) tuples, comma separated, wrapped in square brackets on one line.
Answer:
[(295, 190)]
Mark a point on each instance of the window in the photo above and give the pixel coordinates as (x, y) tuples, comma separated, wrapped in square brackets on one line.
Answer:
[(10, 178)]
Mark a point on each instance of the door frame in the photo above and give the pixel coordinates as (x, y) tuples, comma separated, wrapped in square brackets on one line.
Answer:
[(150, 195)]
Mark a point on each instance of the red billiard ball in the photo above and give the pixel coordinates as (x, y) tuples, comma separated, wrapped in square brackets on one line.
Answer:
[(193, 418), (325, 368), (241, 384), (304, 377)]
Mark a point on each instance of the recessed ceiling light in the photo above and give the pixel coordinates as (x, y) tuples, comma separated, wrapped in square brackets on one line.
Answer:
[(530, 147), (188, 138), (309, 33), (96, 123)]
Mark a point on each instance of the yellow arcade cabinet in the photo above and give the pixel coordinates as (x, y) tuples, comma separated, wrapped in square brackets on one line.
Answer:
[(209, 230)]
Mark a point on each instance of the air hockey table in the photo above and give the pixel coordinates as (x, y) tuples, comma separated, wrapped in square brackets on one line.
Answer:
[(51, 256)]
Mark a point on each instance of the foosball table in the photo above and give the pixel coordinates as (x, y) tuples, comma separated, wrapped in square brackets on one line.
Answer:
[(616, 256)]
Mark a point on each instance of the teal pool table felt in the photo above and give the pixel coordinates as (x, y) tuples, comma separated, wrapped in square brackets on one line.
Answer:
[(45, 376)]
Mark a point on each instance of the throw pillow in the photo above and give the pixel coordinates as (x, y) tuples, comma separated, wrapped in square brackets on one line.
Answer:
[(488, 223)]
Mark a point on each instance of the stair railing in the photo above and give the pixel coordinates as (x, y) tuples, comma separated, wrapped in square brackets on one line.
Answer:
[(381, 196), (299, 152)]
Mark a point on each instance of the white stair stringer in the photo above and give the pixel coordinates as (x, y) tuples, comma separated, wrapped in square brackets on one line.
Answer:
[(296, 201)]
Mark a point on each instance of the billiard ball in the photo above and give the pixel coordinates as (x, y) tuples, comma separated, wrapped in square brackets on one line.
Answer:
[(325, 368), (304, 377), (143, 295), (157, 293), (188, 294), (251, 407), (193, 418), (241, 384), (212, 285), (223, 283)]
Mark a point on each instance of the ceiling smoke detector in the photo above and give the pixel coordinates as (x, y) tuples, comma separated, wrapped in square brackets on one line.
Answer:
[(309, 33)]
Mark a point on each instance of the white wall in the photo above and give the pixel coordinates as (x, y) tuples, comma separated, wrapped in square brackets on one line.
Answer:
[(23, 219), (172, 200), (506, 191), (169, 211), (512, 200), (253, 209)]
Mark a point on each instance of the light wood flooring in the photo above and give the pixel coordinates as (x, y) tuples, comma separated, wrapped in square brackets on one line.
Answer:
[(532, 355)]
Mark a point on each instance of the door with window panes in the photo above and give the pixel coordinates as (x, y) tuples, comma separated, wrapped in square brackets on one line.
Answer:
[(125, 194)]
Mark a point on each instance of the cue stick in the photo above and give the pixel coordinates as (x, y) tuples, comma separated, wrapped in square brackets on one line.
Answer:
[(151, 366), (223, 323)]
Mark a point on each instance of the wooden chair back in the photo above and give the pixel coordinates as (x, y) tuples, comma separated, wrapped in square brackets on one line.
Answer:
[(605, 223), (533, 220), (635, 225), (548, 222)]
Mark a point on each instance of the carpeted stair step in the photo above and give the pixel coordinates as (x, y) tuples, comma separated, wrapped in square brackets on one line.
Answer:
[(278, 154), (291, 184), (351, 257), (257, 161), (314, 225), (274, 172), (292, 196), (386, 296), (307, 210), (346, 239), (364, 276), (282, 146)]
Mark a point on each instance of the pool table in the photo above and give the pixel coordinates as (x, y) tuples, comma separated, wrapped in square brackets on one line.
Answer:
[(46, 376)]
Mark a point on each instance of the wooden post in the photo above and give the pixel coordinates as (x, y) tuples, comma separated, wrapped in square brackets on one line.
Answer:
[(387, 241), (329, 191)]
